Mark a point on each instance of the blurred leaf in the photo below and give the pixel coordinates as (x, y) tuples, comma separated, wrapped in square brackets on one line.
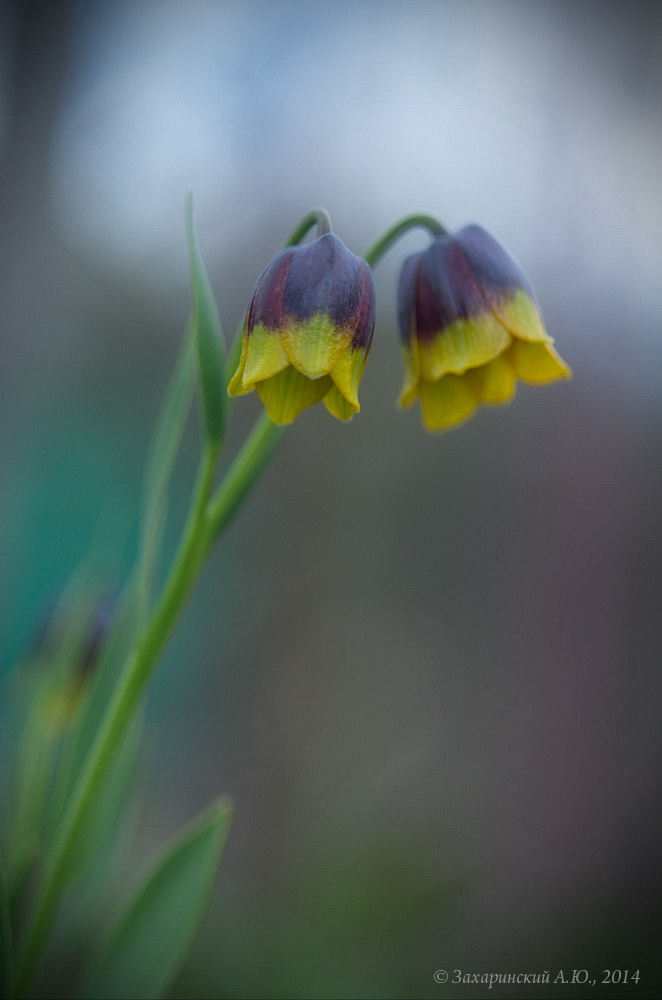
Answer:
[(46, 686), (208, 338), (31, 773), (104, 846), (6, 948), (99, 831), (93, 704), (163, 453), (146, 948)]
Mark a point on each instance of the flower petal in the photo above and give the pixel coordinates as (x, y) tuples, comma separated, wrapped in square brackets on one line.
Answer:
[(466, 343), (347, 374), (447, 402), (503, 284), (289, 392), (343, 398), (494, 383), (236, 385), (409, 391), (520, 316), (537, 363), (313, 346), (407, 297), (264, 357), (338, 406)]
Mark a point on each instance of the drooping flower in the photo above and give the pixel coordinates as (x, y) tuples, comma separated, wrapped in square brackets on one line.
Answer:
[(470, 327), (308, 331)]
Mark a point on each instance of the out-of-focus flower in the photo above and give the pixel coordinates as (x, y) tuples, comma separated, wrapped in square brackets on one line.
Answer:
[(64, 656), (308, 331), (470, 327)]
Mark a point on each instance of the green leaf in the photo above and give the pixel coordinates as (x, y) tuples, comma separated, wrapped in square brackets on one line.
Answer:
[(147, 947), (208, 338), (46, 687), (160, 462), (94, 705), (6, 943), (99, 832), (102, 845), (31, 768)]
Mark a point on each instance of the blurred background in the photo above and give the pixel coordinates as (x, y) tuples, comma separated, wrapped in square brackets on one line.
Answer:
[(425, 668)]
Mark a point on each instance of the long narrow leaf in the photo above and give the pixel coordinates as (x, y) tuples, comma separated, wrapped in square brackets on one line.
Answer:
[(135, 602), (103, 847), (94, 704), (147, 947), (163, 453), (6, 943), (115, 793), (29, 794), (209, 339), (46, 687)]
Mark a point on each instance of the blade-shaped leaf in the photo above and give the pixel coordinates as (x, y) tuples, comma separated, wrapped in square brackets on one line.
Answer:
[(208, 337), (104, 843), (145, 950), (134, 604), (163, 453), (46, 688), (112, 801), (94, 704), (6, 943)]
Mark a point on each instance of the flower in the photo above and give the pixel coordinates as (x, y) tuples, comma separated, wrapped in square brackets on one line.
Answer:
[(470, 327), (308, 331)]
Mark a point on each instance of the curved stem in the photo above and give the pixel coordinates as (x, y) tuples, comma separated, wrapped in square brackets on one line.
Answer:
[(385, 242), (316, 217)]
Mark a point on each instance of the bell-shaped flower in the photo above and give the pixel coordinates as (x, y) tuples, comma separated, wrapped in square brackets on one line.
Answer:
[(308, 331), (470, 327)]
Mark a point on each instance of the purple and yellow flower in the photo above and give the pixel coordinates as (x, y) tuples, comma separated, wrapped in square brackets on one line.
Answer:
[(308, 331), (470, 327)]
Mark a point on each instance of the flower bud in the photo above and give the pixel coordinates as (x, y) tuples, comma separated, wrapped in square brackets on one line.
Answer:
[(308, 331), (470, 327)]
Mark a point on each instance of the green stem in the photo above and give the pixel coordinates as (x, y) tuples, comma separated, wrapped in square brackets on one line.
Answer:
[(316, 217), (256, 452), (385, 242)]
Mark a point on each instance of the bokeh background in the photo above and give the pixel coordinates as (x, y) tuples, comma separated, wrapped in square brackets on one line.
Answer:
[(427, 669)]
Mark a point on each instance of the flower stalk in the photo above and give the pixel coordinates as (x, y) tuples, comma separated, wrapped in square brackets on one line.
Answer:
[(380, 247)]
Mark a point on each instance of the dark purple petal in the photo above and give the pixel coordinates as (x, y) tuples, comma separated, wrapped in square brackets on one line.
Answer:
[(407, 296), (447, 288), (361, 307), (325, 277), (322, 276), (266, 308), (497, 273)]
